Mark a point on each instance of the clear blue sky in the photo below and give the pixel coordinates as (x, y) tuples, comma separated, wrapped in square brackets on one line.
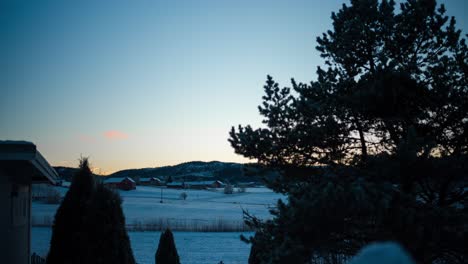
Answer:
[(150, 83)]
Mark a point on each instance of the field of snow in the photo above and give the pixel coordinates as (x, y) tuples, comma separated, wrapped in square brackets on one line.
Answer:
[(193, 247), (142, 206)]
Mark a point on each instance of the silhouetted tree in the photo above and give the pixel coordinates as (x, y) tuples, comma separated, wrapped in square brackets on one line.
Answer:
[(169, 179), (89, 225), (67, 243), (376, 148), (166, 252)]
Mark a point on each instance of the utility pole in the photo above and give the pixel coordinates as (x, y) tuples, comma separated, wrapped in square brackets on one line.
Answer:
[(161, 201)]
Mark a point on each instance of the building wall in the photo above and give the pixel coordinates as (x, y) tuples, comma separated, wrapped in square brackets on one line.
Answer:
[(15, 226)]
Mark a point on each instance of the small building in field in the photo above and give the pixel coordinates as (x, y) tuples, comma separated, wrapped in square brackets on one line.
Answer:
[(198, 185), (218, 184), (203, 184), (21, 165), (154, 181), (122, 183)]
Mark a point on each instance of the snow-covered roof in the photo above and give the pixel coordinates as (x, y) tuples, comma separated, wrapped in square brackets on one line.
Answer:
[(150, 179), (23, 154), (130, 179)]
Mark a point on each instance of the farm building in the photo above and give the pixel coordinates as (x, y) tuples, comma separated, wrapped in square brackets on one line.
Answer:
[(218, 184), (151, 181), (21, 164), (196, 185), (203, 184), (123, 183)]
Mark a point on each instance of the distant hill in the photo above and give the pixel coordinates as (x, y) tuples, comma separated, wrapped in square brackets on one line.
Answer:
[(193, 171), (188, 171), (66, 173)]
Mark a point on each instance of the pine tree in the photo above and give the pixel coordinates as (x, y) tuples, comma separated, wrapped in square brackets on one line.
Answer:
[(377, 147), (167, 252), (89, 225), (67, 242)]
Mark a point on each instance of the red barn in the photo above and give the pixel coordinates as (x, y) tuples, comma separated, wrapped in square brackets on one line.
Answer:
[(126, 183)]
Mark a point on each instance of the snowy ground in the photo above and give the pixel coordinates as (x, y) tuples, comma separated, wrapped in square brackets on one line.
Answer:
[(201, 206), (193, 247)]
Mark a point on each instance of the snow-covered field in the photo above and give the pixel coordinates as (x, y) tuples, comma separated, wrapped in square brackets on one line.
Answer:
[(201, 206), (142, 206), (193, 247)]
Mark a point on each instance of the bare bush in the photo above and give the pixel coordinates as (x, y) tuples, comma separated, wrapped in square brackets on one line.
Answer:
[(229, 189)]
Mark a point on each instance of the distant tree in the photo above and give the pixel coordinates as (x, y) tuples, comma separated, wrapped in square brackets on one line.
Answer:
[(67, 243), (377, 147), (166, 252), (169, 179), (106, 237)]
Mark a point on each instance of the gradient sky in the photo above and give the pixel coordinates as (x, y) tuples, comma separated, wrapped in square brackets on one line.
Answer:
[(150, 83)]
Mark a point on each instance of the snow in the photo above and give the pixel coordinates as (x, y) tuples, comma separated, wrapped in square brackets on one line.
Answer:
[(202, 206), (143, 205), (193, 247), (382, 253)]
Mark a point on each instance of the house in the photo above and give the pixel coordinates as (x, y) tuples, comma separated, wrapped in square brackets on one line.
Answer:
[(21, 165), (151, 181), (218, 184), (123, 183), (127, 184), (203, 184)]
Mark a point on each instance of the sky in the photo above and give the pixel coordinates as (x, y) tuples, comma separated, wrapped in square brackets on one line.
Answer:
[(133, 84)]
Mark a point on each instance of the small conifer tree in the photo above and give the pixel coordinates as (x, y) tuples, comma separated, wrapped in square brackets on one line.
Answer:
[(89, 225), (167, 252), (66, 245)]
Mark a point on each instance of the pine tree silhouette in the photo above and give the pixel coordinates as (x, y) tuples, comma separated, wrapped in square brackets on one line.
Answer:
[(66, 245), (167, 252), (89, 225)]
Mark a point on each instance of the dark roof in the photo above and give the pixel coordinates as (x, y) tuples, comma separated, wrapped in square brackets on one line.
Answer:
[(22, 161), (149, 179)]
